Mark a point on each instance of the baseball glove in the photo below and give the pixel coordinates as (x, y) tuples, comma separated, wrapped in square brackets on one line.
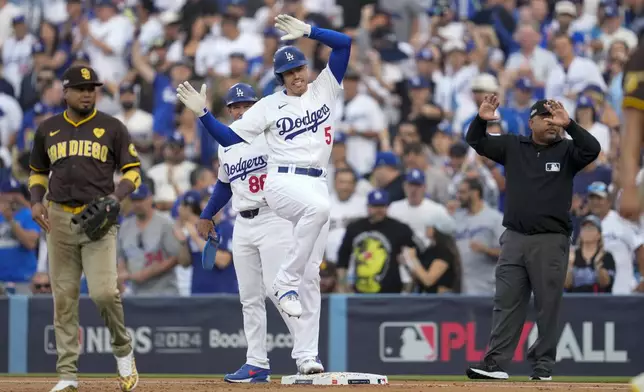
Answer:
[(98, 217)]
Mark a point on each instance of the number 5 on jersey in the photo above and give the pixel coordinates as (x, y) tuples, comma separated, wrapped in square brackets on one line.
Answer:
[(256, 183)]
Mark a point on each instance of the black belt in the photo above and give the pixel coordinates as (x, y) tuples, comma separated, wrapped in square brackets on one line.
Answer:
[(305, 171), (249, 214)]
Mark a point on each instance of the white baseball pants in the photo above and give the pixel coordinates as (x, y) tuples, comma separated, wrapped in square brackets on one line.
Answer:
[(260, 245), (304, 201)]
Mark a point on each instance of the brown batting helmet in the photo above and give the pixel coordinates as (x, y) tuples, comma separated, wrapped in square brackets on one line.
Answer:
[(79, 75)]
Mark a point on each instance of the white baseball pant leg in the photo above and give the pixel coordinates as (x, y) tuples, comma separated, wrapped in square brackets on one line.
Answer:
[(248, 269), (274, 246), (304, 201)]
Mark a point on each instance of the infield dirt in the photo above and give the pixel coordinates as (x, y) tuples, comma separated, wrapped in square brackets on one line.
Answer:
[(26, 384)]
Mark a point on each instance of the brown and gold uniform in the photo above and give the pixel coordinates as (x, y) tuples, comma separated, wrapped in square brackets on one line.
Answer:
[(81, 159)]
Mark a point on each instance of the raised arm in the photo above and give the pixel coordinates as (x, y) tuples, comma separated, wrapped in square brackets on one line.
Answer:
[(196, 101), (492, 147), (339, 43)]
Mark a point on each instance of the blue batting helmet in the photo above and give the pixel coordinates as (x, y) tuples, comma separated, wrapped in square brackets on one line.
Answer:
[(286, 58), (240, 92)]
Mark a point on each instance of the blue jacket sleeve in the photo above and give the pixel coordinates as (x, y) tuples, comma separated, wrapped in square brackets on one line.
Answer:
[(220, 132), (220, 196), (340, 45)]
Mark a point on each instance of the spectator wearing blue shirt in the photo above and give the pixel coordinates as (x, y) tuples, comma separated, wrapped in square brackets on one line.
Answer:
[(521, 102), (222, 278), (19, 236)]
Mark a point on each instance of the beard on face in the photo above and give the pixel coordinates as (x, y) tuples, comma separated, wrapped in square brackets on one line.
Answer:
[(83, 110)]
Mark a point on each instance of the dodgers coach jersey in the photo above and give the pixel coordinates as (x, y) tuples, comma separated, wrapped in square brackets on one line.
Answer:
[(244, 167), (299, 130)]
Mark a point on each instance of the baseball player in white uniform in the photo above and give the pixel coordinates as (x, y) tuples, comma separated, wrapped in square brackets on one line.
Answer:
[(261, 241), (298, 123)]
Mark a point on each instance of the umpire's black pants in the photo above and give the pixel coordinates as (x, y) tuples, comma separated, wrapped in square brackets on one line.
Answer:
[(528, 263)]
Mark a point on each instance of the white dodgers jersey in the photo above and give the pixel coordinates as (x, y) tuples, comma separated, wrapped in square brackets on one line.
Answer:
[(244, 166), (299, 130)]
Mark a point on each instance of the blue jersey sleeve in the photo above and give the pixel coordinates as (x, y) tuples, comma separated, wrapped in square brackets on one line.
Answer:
[(220, 196), (340, 45), (220, 132)]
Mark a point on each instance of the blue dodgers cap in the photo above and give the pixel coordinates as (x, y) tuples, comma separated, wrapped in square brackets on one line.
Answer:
[(126, 88), (611, 11), (598, 188), (176, 139), (18, 19), (192, 198), (415, 177), (378, 197), (524, 84), (10, 185), (142, 192), (584, 101), (240, 92), (425, 54), (386, 158), (593, 220), (419, 82)]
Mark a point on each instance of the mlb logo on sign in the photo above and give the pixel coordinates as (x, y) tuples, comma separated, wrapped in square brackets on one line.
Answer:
[(552, 167), (408, 342)]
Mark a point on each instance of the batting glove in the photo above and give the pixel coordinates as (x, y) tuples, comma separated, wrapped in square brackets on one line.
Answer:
[(195, 101), (294, 28)]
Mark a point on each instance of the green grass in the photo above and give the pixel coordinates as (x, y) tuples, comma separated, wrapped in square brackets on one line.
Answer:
[(571, 379)]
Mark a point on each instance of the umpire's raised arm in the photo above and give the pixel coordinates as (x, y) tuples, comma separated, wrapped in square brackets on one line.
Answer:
[(493, 147), (584, 148)]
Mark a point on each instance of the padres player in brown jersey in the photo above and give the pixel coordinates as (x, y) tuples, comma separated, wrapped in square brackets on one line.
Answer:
[(631, 199), (73, 160)]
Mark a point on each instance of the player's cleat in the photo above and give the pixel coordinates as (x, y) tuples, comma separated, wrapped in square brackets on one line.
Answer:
[(128, 376), (310, 366), (289, 302), (65, 386), (486, 371), (249, 374), (540, 375)]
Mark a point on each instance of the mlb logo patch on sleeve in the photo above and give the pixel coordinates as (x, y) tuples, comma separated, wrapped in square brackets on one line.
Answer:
[(552, 167)]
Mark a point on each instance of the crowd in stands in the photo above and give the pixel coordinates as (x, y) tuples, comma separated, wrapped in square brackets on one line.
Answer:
[(414, 208)]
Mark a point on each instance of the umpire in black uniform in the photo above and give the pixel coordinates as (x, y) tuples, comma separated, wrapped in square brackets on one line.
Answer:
[(534, 247)]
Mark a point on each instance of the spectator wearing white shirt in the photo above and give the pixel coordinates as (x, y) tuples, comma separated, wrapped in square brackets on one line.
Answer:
[(151, 28), (238, 8), (16, 53), (171, 22), (612, 30), (172, 176), (621, 238), (138, 122), (265, 14), (531, 61), (346, 206), (571, 75), (586, 115), (416, 210), (454, 88), (106, 39), (10, 120), (363, 122), (8, 11), (213, 54)]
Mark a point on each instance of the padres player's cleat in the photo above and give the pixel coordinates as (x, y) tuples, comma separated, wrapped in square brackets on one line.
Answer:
[(65, 386), (310, 366), (249, 374), (128, 376), (289, 302)]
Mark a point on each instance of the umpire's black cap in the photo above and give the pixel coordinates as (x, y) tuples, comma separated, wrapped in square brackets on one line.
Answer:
[(79, 75), (539, 108)]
